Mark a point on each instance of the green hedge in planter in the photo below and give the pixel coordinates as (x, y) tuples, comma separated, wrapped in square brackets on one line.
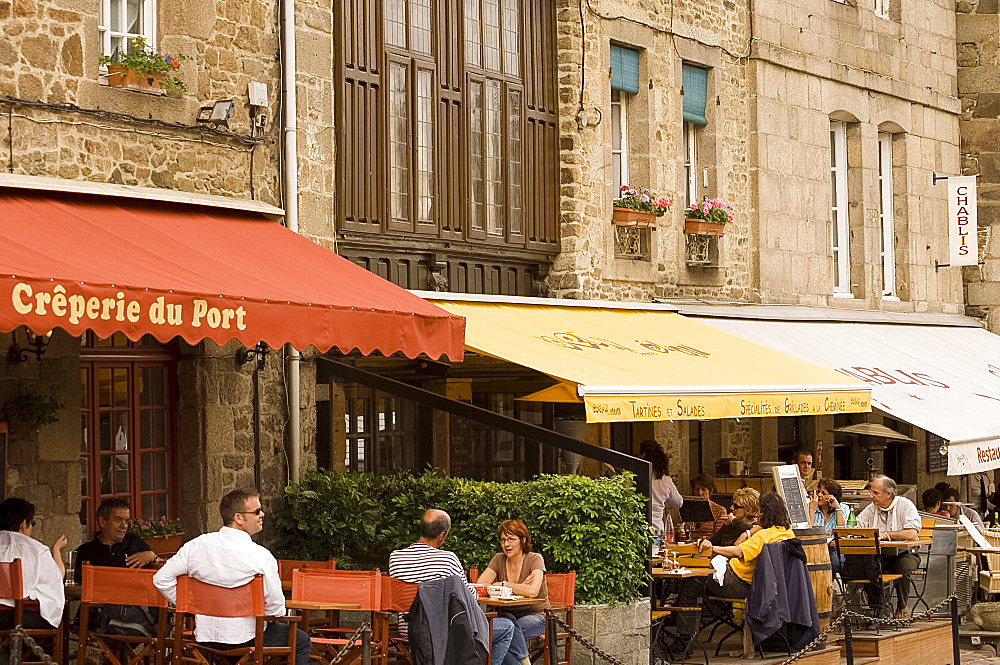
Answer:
[(595, 527)]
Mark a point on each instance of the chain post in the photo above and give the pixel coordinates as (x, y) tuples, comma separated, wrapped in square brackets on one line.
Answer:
[(551, 635), (366, 644), (954, 630), (848, 642)]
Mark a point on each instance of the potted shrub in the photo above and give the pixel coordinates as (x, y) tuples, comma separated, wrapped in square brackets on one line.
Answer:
[(638, 207), (141, 68), (163, 536), (708, 218)]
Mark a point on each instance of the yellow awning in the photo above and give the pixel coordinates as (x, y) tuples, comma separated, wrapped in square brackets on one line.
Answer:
[(645, 364)]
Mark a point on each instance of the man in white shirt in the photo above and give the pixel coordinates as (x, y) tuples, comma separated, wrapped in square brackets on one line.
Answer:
[(42, 569), (229, 558), (424, 560), (896, 518)]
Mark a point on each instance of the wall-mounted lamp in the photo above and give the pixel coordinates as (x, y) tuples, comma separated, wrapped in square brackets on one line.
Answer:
[(219, 113), (18, 354)]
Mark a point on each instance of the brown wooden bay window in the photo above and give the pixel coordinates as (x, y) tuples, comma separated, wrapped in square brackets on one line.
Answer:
[(446, 120)]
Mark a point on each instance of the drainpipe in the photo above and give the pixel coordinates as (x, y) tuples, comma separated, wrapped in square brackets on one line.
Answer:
[(291, 180)]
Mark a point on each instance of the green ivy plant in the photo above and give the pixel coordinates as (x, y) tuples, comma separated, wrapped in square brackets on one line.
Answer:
[(31, 409), (143, 60), (595, 527)]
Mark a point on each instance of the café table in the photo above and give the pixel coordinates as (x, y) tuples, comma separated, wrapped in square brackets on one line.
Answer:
[(685, 643), (507, 602)]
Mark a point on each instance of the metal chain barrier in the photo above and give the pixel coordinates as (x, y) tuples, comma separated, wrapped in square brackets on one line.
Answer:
[(849, 614), (347, 647), (600, 653), (37, 650)]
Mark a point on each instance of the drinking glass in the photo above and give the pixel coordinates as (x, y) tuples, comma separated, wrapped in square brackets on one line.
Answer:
[(70, 557)]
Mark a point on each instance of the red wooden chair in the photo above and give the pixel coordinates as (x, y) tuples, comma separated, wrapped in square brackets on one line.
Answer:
[(562, 591), (349, 587), (286, 566), (12, 588), (196, 597), (121, 586), (397, 596)]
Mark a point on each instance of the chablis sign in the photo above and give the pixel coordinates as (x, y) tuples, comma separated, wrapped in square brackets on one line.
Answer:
[(963, 221)]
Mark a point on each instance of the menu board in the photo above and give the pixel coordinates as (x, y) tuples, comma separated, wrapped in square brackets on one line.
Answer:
[(789, 485), (936, 461)]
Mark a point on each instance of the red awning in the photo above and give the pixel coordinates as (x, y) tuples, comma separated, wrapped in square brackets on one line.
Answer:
[(119, 265)]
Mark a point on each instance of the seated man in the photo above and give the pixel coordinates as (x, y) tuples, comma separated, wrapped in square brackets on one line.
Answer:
[(953, 505), (425, 560), (896, 518), (113, 545), (229, 558), (42, 569)]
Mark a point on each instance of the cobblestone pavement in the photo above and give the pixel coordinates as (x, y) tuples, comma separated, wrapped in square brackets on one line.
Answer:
[(976, 657)]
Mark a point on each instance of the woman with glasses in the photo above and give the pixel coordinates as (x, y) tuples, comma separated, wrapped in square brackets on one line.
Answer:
[(742, 518), (517, 567), (826, 510)]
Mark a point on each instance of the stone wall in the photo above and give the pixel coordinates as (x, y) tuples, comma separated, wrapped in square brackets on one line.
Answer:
[(978, 38), (819, 61), (706, 34), (43, 464), (621, 630)]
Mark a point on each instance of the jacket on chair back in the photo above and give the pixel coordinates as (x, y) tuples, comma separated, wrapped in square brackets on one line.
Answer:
[(447, 626), (782, 593)]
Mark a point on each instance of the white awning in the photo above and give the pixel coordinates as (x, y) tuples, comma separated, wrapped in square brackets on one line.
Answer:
[(943, 379)]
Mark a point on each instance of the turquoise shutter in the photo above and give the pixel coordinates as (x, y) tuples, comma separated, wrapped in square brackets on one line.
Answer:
[(624, 69), (695, 82)]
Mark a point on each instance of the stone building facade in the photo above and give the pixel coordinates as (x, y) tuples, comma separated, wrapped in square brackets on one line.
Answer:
[(61, 121), (978, 25)]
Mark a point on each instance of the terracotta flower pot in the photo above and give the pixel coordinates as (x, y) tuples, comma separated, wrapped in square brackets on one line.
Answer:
[(703, 227), (630, 217), (165, 545), (121, 76)]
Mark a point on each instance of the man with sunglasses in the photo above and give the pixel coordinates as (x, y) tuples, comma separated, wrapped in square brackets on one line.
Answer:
[(229, 558)]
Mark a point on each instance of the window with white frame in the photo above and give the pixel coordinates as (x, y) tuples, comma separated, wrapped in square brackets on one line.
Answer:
[(619, 141), (882, 8), (690, 164), (840, 233), (887, 250), (121, 20)]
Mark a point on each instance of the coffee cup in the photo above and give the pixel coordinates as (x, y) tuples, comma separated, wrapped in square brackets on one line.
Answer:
[(506, 592)]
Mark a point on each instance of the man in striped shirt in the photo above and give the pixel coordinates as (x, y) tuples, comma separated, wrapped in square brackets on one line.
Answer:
[(424, 560)]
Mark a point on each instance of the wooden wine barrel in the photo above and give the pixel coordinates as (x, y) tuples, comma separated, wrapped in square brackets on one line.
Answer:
[(814, 542)]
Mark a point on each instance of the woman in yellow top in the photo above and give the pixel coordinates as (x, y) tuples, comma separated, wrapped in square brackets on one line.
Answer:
[(775, 527)]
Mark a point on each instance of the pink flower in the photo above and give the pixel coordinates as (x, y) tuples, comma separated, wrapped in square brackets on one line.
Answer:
[(644, 198), (729, 218)]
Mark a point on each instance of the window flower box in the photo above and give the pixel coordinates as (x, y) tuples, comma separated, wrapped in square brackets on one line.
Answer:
[(638, 208), (703, 227), (122, 76), (708, 218), (630, 217)]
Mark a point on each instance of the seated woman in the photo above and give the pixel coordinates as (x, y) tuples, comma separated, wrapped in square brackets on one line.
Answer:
[(42, 569), (825, 510), (702, 487), (524, 572), (742, 517)]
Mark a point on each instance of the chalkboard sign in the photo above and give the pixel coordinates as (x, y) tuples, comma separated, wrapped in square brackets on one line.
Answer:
[(789, 485), (936, 461)]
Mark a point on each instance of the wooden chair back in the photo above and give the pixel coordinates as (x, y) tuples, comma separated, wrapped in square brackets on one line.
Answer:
[(561, 588), (11, 584), (350, 587), (926, 528), (121, 586), (856, 541), (197, 597), (397, 595), (286, 566)]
